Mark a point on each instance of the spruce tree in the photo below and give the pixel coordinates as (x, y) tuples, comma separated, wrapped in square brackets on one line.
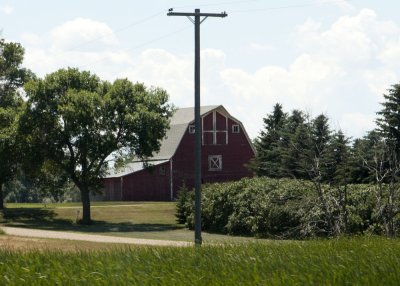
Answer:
[(268, 158), (389, 118)]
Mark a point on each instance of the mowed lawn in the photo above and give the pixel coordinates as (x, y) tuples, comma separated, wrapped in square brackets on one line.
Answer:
[(152, 220)]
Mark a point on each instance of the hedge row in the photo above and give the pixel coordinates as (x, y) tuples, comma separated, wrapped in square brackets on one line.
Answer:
[(284, 208)]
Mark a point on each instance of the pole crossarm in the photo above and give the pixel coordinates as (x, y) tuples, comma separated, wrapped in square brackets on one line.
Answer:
[(189, 14)]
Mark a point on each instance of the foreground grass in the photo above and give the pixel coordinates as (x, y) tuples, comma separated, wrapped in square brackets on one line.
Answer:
[(152, 220), (359, 261)]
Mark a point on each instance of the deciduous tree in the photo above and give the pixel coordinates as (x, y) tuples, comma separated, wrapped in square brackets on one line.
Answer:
[(80, 122), (12, 78)]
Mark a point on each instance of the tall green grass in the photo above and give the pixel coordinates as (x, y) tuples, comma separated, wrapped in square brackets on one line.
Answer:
[(361, 261)]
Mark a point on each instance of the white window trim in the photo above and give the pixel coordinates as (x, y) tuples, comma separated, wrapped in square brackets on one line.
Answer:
[(192, 129), (234, 130), (215, 162)]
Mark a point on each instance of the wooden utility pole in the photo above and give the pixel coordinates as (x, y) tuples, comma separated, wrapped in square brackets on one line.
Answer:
[(197, 122)]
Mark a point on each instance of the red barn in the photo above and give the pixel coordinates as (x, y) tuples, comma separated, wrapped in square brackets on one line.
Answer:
[(226, 148)]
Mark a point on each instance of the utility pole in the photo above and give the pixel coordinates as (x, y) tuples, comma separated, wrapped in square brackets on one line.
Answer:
[(197, 123)]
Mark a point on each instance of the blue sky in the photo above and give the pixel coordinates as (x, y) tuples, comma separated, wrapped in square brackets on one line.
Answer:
[(322, 56)]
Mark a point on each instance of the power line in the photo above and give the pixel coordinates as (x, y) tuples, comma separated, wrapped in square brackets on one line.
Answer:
[(158, 38), (118, 30), (290, 6), (214, 4), (125, 28), (140, 45), (217, 4)]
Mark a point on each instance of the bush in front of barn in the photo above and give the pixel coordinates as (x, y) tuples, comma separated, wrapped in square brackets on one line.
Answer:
[(283, 208)]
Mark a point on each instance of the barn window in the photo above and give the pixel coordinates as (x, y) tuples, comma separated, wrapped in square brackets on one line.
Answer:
[(215, 163), (235, 128), (191, 129)]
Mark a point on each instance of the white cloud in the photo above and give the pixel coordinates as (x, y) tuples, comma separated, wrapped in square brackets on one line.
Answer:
[(160, 68), (349, 39), (175, 73), (390, 55), (306, 84), (357, 124), (379, 80), (79, 33), (294, 84), (105, 64), (343, 5), (6, 9), (82, 43), (342, 71), (31, 39), (257, 47)]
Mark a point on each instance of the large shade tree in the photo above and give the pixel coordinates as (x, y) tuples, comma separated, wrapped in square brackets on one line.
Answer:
[(12, 78), (80, 122)]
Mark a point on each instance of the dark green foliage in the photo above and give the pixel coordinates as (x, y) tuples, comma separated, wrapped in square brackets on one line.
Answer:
[(388, 159), (12, 78), (78, 122), (363, 152), (293, 146), (286, 208), (183, 204), (267, 161), (389, 118)]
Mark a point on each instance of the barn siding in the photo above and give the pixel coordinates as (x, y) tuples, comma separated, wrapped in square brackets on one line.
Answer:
[(148, 185), (234, 157), (113, 187)]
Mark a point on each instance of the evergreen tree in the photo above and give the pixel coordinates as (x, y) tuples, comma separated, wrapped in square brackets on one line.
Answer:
[(338, 160), (338, 176), (268, 158), (389, 128), (294, 139), (389, 118), (365, 153)]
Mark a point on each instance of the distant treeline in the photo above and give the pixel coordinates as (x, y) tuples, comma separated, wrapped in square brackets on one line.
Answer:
[(297, 146)]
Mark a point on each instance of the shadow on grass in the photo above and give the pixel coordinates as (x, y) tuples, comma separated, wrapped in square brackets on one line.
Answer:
[(47, 219)]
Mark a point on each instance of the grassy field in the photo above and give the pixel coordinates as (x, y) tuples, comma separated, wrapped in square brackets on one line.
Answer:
[(244, 261), (361, 261), (153, 220)]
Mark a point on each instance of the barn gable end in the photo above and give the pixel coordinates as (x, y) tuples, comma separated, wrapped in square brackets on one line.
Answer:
[(226, 148)]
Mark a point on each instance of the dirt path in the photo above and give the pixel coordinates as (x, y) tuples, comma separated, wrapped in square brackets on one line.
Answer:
[(107, 206), (27, 232)]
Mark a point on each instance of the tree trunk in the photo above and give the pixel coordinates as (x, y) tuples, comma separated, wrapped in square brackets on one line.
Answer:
[(390, 208), (86, 219), (344, 209), (1, 196)]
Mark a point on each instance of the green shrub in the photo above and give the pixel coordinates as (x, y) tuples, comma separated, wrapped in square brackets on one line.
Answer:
[(184, 205), (284, 208)]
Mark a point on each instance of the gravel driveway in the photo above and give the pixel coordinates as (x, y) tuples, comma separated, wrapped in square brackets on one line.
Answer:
[(27, 232)]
